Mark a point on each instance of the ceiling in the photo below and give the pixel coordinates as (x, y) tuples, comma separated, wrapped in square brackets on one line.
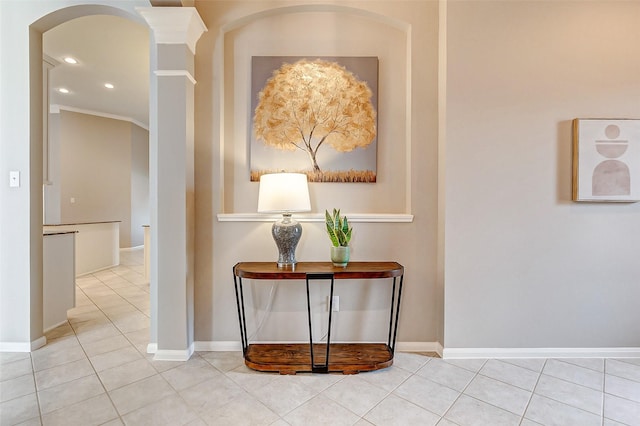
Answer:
[(108, 49)]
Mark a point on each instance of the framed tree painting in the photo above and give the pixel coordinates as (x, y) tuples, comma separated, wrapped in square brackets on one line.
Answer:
[(314, 115), (606, 160)]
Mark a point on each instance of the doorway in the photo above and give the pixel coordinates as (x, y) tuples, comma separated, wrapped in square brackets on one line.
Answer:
[(83, 104)]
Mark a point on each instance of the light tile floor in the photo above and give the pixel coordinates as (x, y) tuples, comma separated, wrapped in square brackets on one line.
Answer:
[(95, 371)]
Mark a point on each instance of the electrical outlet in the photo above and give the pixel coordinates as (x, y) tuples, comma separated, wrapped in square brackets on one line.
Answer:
[(336, 303)]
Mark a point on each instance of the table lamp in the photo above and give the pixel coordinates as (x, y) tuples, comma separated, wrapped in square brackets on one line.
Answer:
[(284, 193)]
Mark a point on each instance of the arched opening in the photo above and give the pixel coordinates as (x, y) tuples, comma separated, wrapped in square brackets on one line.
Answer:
[(21, 245), (37, 128)]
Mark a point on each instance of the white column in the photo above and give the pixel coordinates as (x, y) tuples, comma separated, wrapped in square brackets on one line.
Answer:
[(175, 33)]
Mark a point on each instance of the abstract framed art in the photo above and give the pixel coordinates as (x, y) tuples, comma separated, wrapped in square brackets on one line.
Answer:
[(314, 115), (606, 160)]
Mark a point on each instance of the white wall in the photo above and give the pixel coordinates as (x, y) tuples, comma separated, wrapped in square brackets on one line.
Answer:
[(17, 272), (525, 266), (21, 27)]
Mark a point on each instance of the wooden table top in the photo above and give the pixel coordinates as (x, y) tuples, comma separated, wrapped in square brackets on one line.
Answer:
[(353, 270)]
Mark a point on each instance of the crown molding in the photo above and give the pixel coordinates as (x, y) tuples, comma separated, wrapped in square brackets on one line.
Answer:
[(174, 25), (56, 108), (50, 60)]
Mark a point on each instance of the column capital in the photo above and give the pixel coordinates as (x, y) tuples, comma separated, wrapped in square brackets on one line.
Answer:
[(174, 25)]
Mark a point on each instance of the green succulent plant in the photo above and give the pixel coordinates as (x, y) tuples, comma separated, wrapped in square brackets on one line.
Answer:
[(338, 228)]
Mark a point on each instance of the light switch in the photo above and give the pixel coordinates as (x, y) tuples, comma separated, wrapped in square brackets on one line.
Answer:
[(72, 200), (14, 179)]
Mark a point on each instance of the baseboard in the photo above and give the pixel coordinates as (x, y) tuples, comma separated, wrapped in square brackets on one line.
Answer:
[(234, 345), (131, 248), (23, 346), (15, 347), (38, 343), (97, 270), (48, 329), (419, 347), (173, 354), (466, 353), (222, 346)]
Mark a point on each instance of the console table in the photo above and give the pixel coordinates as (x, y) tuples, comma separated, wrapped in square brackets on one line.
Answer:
[(347, 358)]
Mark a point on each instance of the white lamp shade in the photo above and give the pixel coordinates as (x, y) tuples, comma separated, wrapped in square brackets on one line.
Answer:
[(283, 192)]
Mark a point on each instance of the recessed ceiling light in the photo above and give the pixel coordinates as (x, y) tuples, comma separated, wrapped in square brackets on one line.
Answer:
[(63, 90), (70, 60), (108, 85)]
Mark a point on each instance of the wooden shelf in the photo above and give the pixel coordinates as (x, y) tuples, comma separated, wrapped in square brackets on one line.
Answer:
[(346, 358)]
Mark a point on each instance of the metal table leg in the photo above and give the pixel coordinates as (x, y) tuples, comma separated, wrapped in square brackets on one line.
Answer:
[(319, 368), (395, 309), (237, 281)]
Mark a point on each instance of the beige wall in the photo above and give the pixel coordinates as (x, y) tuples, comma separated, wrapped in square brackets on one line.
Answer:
[(104, 169), (521, 266), (139, 184), (404, 37), (525, 266)]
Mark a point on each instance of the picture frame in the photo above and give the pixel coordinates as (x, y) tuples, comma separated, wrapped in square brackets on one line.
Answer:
[(292, 100), (606, 160)]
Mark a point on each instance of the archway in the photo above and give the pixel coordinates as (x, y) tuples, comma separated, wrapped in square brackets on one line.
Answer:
[(36, 31), (175, 33)]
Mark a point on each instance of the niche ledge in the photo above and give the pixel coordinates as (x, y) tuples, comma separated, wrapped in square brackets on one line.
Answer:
[(318, 217)]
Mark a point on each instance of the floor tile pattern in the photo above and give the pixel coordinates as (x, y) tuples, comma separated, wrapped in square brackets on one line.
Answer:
[(95, 371)]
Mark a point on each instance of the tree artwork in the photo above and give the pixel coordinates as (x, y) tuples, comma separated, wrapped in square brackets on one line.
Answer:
[(309, 104)]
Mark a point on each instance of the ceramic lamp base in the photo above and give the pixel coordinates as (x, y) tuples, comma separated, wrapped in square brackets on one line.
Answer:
[(286, 233)]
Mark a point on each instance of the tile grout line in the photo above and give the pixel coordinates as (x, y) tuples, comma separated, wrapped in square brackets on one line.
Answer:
[(186, 403), (35, 386), (119, 295), (74, 335), (604, 387), (362, 417), (601, 391), (562, 379), (477, 373), (99, 283), (573, 406), (94, 368), (533, 392), (412, 374), (120, 415), (158, 373), (566, 361)]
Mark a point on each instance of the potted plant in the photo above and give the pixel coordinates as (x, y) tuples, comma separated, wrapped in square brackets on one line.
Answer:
[(340, 234)]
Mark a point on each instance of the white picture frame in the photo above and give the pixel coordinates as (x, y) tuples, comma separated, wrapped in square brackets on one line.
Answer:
[(606, 160)]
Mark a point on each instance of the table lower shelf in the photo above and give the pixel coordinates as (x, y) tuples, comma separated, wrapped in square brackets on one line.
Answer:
[(346, 358)]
